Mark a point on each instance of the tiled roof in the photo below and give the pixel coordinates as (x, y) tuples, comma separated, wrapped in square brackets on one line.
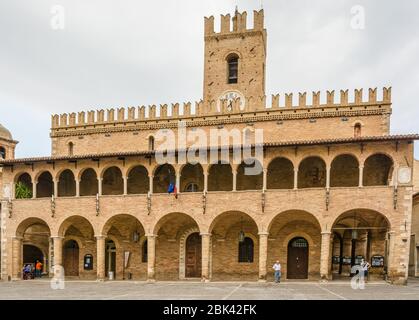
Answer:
[(296, 143)]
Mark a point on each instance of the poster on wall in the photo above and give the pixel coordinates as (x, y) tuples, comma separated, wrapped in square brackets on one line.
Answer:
[(377, 261), (126, 258)]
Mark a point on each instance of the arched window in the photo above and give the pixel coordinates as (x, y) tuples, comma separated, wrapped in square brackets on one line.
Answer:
[(144, 252), (88, 183), (192, 178), (151, 143), (280, 174), (250, 175), (246, 250), (312, 173), (45, 185), (24, 187), (70, 148), (192, 187), (2, 153), (233, 68), (66, 184), (113, 183), (344, 171), (378, 170), (220, 177), (138, 181), (357, 130)]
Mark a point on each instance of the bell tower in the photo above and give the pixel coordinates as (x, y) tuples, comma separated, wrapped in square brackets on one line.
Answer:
[(235, 58)]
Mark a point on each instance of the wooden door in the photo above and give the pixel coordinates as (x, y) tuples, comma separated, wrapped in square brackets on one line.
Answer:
[(193, 256), (71, 259), (297, 266)]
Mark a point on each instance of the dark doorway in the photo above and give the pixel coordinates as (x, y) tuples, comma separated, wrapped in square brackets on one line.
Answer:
[(31, 254), (71, 258), (193, 256), (297, 266)]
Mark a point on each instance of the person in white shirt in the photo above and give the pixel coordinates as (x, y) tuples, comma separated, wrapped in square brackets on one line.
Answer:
[(277, 268), (365, 266)]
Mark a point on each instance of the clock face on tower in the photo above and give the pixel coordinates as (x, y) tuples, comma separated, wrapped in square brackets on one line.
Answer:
[(230, 96)]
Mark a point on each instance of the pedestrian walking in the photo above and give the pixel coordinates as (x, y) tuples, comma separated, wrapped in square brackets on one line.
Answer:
[(277, 268), (38, 269)]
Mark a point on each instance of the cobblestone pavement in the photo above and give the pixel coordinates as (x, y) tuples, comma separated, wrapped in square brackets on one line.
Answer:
[(132, 290)]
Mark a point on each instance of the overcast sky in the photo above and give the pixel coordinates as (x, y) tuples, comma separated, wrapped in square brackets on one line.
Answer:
[(135, 52)]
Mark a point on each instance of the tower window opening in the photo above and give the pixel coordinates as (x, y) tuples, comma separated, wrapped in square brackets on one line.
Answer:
[(357, 130), (233, 68), (71, 149), (151, 143)]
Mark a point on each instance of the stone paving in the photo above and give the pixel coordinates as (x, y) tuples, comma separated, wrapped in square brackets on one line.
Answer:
[(132, 290)]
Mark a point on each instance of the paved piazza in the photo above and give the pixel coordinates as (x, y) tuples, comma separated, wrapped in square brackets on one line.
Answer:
[(119, 290)]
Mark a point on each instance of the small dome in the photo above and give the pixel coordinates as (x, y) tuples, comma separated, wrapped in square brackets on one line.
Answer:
[(5, 134)]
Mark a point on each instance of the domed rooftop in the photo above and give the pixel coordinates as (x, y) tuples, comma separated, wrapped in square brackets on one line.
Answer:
[(5, 134)]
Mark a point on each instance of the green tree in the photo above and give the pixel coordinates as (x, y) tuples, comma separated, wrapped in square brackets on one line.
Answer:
[(23, 191)]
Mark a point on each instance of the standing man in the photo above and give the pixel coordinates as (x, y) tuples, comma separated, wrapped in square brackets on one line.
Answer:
[(365, 267), (38, 269), (277, 268)]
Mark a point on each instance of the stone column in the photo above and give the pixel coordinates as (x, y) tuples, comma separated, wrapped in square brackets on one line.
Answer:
[(44, 264), (295, 179), (263, 255), (361, 176), (325, 255), (150, 181), (100, 254), (99, 185), (234, 180), (206, 242), (58, 251), (77, 188), (125, 185), (55, 188), (205, 181), (367, 235), (178, 182), (151, 257), (391, 267), (34, 184), (265, 179), (328, 177), (17, 245)]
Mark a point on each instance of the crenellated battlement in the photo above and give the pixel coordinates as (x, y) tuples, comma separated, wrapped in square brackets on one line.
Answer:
[(213, 108), (235, 24)]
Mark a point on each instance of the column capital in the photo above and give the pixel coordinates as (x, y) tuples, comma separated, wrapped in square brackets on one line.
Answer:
[(150, 235), (17, 238), (100, 237), (205, 234), (57, 237), (263, 233), (326, 233)]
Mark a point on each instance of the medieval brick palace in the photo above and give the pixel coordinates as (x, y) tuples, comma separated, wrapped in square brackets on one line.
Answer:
[(334, 185)]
